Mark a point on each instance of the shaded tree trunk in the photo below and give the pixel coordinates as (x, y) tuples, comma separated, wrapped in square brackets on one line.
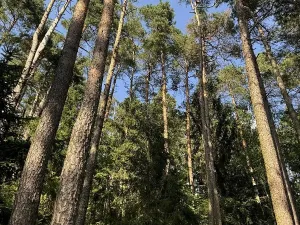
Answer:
[(72, 175), (265, 127), (35, 42), (244, 145), (99, 122), (188, 130), (31, 182)]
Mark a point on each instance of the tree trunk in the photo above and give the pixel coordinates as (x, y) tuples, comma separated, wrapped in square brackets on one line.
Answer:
[(72, 175), (276, 181), (147, 83), (276, 72), (214, 201), (111, 95), (46, 38), (165, 113), (244, 145), (35, 41), (31, 183), (99, 122), (188, 130)]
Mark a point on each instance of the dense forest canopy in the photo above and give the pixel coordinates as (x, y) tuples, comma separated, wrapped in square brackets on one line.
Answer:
[(111, 114)]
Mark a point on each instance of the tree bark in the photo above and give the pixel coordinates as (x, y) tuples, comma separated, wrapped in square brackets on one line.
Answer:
[(35, 42), (72, 175), (188, 130), (165, 113), (31, 182), (99, 122), (275, 176)]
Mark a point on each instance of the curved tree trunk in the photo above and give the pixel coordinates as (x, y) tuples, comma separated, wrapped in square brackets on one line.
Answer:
[(99, 122), (31, 182), (269, 146), (35, 42), (72, 175)]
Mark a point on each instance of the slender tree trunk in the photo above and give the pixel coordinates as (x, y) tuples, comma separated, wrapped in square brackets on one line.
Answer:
[(99, 122), (35, 41), (275, 176), (111, 95), (31, 182), (188, 130), (46, 38), (147, 83), (72, 175), (214, 201), (276, 71), (165, 113), (41, 47), (244, 145), (292, 113)]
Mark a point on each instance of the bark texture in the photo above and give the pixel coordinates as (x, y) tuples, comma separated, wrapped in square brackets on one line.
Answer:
[(35, 42), (266, 132), (31, 182), (100, 118), (72, 175)]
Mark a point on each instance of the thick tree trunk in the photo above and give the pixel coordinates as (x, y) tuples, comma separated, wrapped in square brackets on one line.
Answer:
[(72, 175), (274, 170), (31, 183), (188, 130), (244, 145), (35, 42), (165, 113), (99, 122), (275, 69)]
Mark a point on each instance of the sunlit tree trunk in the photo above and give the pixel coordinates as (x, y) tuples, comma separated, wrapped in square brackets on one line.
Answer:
[(34, 45), (111, 95), (283, 90), (165, 112), (99, 122), (31, 183), (72, 175), (188, 130), (266, 132)]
